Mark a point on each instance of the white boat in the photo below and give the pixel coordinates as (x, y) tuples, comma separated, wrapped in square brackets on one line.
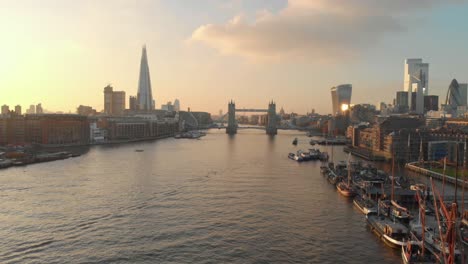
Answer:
[(392, 233)]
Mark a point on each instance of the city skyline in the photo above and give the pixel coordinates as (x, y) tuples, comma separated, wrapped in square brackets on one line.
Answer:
[(70, 62)]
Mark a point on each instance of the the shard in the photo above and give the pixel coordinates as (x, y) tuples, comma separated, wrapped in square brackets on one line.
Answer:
[(145, 95)]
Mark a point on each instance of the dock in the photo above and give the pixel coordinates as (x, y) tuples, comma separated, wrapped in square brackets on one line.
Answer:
[(412, 166)]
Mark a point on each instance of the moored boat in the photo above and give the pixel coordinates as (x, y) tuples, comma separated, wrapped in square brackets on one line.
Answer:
[(365, 205), (413, 253), (392, 233), (345, 189), (295, 157)]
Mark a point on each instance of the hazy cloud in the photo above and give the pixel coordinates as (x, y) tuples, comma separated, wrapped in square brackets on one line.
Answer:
[(317, 29)]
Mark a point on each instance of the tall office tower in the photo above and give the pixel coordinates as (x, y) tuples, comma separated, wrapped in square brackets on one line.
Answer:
[(114, 101), (5, 109), (401, 102), (341, 98), (18, 109), (176, 105), (431, 103), (456, 97), (463, 88), (416, 79), (133, 103), (39, 109), (145, 95)]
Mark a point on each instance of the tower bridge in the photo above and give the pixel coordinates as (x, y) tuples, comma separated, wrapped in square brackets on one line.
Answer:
[(270, 128)]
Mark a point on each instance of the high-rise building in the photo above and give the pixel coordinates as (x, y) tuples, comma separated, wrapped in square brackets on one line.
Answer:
[(5, 109), (176, 105), (133, 103), (431, 103), (341, 98), (31, 110), (145, 94), (39, 109), (18, 109), (114, 101), (416, 79), (401, 102), (416, 72), (168, 107), (463, 88), (456, 97)]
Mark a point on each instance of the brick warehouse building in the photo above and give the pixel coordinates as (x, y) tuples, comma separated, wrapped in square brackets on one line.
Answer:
[(45, 129), (57, 129)]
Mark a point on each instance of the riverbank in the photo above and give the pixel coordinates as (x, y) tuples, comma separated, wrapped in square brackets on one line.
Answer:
[(47, 153)]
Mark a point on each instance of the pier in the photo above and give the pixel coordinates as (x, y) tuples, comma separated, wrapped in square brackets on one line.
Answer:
[(412, 166)]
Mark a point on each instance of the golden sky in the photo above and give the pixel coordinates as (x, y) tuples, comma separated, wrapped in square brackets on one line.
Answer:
[(61, 53)]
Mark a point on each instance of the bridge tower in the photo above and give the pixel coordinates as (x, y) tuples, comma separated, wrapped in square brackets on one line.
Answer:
[(232, 126), (271, 128)]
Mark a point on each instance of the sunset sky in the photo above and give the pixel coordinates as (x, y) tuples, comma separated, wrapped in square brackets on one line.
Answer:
[(62, 53)]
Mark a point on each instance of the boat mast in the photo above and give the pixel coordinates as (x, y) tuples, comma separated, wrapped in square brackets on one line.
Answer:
[(438, 221), (349, 170), (393, 176), (456, 174), (463, 176), (422, 218), (443, 176)]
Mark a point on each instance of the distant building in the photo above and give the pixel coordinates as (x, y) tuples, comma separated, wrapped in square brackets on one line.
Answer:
[(416, 79), (416, 72), (39, 109), (131, 128), (401, 102), (133, 103), (176, 105), (114, 101), (145, 93), (5, 109), (85, 110), (44, 129), (31, 110), (57, 129), (341, 98), (456, 101), (362, 113), (431, 103), (168, 107), (18, 110), (12, 130)]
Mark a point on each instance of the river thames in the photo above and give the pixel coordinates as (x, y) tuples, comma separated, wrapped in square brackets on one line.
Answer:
[(221, 199)]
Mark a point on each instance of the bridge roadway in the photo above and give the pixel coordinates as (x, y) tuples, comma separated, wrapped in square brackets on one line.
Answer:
[(251, 110)]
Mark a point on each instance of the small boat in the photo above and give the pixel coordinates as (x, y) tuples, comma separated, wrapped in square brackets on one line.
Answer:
[(345, 189), (295, 157), (139, 150), (314, 154), (394, 234), (365, 205), (294, 141), (304, 155)]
